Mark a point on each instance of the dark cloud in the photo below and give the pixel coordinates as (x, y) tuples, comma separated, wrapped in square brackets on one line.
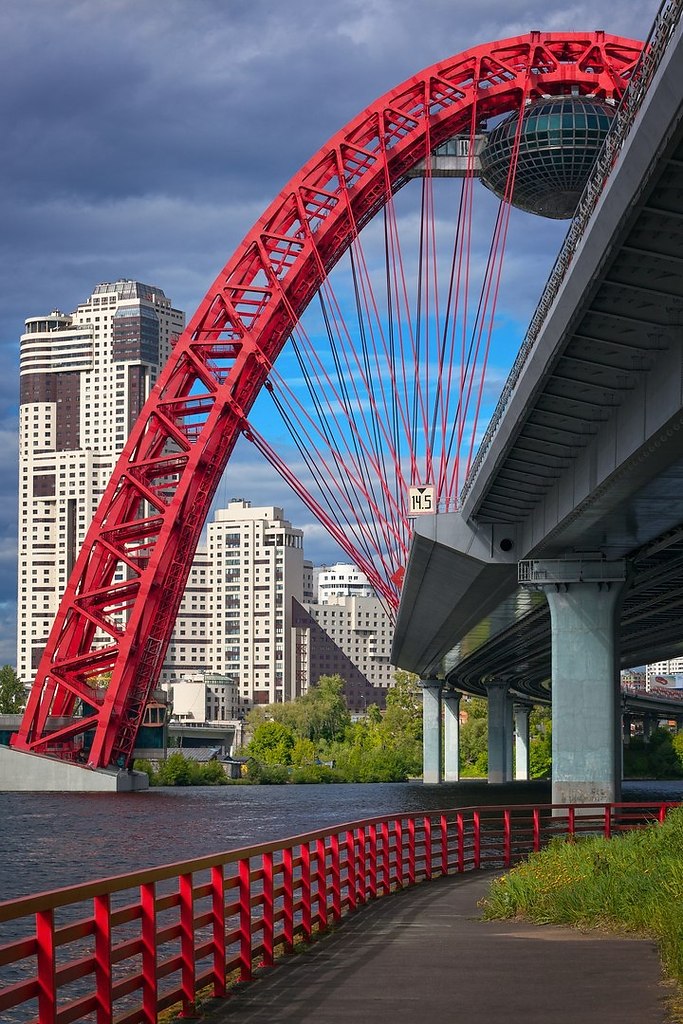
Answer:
[(142, 139)]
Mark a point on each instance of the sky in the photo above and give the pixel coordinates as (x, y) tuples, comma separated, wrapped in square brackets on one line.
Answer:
[(143, 138)]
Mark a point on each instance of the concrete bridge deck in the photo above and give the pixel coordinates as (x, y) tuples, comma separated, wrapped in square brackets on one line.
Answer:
[(425, 954)]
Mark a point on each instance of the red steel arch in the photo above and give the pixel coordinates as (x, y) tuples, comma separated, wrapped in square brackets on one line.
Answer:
[(120, 605)]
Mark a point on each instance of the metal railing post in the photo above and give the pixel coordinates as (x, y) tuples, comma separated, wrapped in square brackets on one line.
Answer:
[(306, 890), (218, 929), (103, 964), (321, 882), (268, 907), (244, 911), (288, 898), (187, 943), (47, 973), (148, 932)]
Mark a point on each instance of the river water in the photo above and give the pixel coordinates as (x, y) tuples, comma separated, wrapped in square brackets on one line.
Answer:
[(49, 840)]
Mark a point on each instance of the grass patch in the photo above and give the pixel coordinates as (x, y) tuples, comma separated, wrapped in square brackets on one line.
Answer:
[(633, 883)]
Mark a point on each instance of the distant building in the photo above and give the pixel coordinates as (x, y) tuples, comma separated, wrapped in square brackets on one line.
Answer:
[(633, 678), (258, 562), (309, 581), (204, 697), (318, 654), (235, 617), (673, 667), (84, 378), (360, 635), (190, 650), (340, 580)]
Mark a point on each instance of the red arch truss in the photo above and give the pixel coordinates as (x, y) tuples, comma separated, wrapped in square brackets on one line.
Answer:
[(151, 516)]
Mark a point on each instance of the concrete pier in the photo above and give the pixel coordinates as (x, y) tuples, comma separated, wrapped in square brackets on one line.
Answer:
[(31, 773)]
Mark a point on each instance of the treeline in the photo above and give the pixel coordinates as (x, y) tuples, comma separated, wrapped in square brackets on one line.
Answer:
[(314, 740), (178, 770), (660, 756)]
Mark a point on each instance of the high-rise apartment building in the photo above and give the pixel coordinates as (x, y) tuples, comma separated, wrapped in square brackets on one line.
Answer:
[(235, 619), (672, 667), (84, 378), (258, 563), (190, 650)]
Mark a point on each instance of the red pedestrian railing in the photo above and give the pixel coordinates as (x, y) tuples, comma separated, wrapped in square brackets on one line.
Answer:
[(120, 950)]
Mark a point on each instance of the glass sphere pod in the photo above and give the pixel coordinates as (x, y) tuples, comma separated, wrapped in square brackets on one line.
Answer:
[(559, 140)]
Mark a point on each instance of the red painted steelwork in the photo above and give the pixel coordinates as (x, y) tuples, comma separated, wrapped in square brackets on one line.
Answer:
[(151, 516), (133, 945)]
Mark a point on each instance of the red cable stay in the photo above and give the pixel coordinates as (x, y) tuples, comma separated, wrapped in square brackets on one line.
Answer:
[(394, 400)]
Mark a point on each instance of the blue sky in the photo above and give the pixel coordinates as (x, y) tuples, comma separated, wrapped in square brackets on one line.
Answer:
[(142, 139)]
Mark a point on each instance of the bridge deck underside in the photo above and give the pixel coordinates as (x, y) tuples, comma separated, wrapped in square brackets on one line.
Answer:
[(634, 314), (650, 629)]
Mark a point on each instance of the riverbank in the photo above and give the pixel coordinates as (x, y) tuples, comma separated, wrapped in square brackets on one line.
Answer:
[(633, 884)]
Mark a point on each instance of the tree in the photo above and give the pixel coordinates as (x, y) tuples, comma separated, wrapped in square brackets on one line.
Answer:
[(540, 743), (12, 692), (474, 737), (303, 752), (664, 763), (323, 713), (402, 722), (271, 744), (175, 771), (474, 746)]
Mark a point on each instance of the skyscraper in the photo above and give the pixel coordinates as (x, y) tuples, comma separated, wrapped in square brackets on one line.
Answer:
[(84, 378)]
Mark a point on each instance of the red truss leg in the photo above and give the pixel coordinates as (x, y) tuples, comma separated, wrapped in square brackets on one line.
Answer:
[(152, 513)]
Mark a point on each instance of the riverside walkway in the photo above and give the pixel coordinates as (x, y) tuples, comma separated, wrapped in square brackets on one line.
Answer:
[(425, 954), (130, 947)]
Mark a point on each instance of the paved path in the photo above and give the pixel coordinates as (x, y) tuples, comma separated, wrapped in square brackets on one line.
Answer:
[(424, 955)]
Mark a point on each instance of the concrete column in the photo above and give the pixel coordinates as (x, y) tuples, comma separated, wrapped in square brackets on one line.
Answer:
[(451, 703), (431, 730), (521, 713), (626, 721), (500, 731), (585, 691), (650, 724)]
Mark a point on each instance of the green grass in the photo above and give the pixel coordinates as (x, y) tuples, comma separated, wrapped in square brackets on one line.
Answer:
[(633, 883)]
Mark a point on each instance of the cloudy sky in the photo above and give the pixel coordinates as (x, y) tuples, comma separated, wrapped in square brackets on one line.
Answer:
[(142, 138)]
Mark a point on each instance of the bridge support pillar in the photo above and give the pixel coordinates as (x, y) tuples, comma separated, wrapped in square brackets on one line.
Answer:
[(650, 724), (431, 731), (521, 714), (451, 728), (584, 608), (499, 731)]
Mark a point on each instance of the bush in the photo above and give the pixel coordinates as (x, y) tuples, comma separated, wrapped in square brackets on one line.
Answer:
[(213, 774), (267, 774), (315, 773), (143, 765)]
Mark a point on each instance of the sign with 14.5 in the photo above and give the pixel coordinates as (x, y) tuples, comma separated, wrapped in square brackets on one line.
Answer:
[(421, 500)]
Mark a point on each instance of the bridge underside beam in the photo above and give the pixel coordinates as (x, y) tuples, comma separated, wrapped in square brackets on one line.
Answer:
[(450, 561)]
